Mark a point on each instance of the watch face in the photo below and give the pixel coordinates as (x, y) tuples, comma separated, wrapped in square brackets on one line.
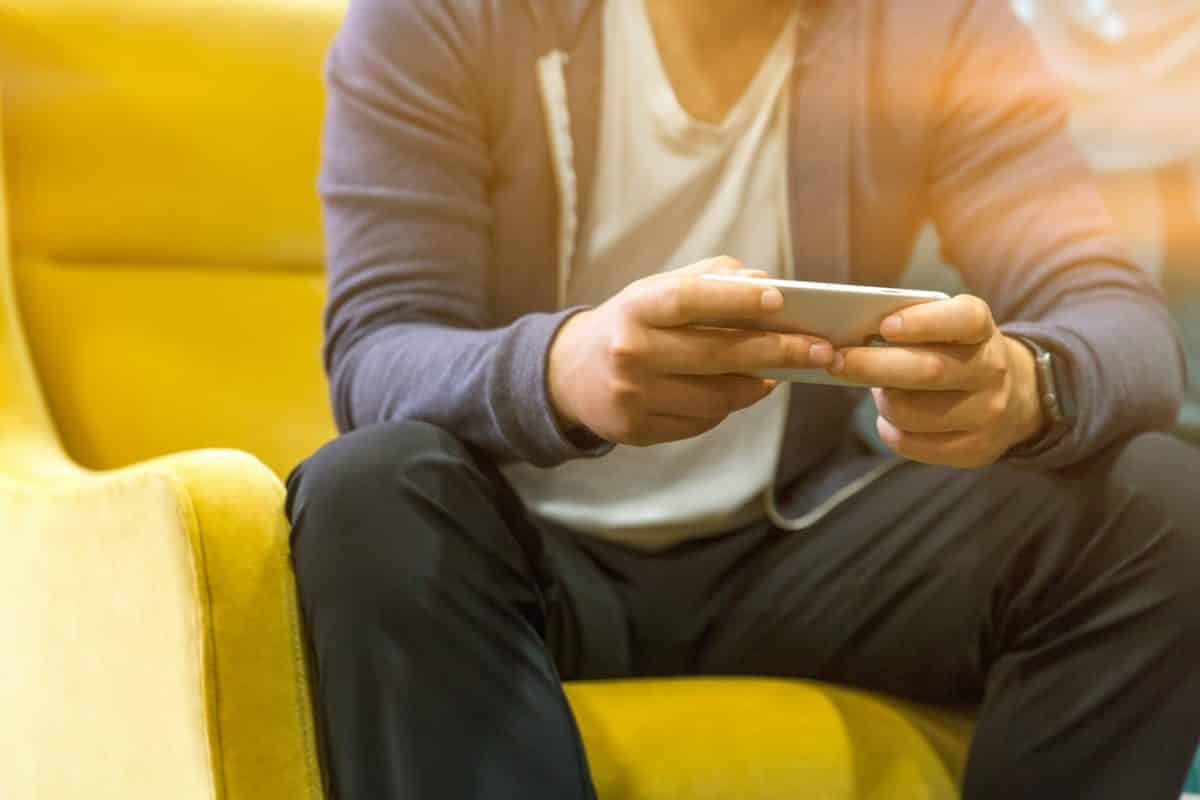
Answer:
[(1063, 391), (1054, 385), (1054, 393), (1047, 388)]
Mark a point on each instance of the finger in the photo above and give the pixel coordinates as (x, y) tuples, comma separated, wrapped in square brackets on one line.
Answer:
[(706, 351), (710, 398), (962, 320), (929, 368), (676, 299), (719, 265), (962, 450), (937, 412)]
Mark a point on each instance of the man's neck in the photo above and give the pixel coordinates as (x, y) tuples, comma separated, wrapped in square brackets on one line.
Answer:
[(711, 49), (709, 24)]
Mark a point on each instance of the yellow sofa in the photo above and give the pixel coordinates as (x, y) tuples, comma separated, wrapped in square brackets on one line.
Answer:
[(160, 284)]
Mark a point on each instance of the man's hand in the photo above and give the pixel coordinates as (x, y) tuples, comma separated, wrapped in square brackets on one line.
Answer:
[(956, 391), (636, 370)]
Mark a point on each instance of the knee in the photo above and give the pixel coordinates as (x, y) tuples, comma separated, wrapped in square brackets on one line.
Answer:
[(1158, 472), (358, 469), (1174, 583), (354, 506), (1161, 471)]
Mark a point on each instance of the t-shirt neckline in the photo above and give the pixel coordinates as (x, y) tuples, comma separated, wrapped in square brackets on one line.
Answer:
[(676, 121)]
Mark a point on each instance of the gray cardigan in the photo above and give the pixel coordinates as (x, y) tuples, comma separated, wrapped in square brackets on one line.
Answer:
[(442, 210)]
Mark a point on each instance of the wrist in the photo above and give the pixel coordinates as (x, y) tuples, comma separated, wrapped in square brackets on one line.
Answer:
[(559, 371), (1031, 420)]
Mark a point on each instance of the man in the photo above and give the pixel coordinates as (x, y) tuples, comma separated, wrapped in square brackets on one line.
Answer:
[(551, 473)]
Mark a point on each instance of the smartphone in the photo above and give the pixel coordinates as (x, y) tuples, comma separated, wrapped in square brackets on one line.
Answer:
[(843, 314)]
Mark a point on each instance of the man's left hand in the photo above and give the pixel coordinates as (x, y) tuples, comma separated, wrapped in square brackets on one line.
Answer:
[(955, 390)]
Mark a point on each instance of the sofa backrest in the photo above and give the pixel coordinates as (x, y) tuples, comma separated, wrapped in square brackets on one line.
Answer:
[(165, 231)]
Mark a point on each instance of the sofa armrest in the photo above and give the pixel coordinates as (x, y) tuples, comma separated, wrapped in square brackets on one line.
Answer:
[(150, 635)]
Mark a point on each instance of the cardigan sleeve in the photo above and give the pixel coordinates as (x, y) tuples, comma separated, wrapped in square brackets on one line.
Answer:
[(1020, 217), (404, 186)]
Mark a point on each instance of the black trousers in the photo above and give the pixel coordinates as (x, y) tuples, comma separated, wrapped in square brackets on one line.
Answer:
[(443, 618)]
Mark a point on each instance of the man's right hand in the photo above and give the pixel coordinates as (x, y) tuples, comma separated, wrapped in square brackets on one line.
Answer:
[(636, 370)]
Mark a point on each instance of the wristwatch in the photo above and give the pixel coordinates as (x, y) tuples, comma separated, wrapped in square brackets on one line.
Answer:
[(1057, 398)]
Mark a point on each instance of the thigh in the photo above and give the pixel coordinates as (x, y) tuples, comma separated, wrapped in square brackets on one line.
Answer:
[(923, 581), (403, 515), (590, 631)]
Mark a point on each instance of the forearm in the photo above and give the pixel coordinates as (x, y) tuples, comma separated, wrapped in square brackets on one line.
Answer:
[(1020, 216), (1125, 363), (488, 387)]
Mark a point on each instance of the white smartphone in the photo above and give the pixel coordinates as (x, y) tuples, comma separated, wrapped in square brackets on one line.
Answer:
[(843, 314)]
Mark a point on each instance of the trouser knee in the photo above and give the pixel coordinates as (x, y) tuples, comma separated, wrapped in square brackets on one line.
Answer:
[(1152, 480), (372, 516)]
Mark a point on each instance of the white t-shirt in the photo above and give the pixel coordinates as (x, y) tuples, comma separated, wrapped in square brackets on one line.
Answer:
[(671, 190)]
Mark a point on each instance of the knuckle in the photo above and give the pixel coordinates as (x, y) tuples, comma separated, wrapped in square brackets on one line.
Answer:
[(625, 304), (852, 366), (995, 367), (783, 351), (979, 316), (931, 370), (798, 350), (715, 353), (675, 296), (669, 295), (776, 346), (995, 409), (625, 348), (625, 394)]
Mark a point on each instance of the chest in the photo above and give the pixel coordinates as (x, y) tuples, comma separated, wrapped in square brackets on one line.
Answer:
[(710, 61), (855, 153), (670, 189)]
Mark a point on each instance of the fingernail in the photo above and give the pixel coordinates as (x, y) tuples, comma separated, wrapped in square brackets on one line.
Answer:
[(749, 272), (891, 326), (839, 363), (772, 300), (820, 354)]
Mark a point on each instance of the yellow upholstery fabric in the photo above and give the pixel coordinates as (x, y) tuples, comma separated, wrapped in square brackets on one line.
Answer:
[(140, 360), (150, 638), (165, 226), (715, 739), (67, 727), (148, 620), (165, 259)]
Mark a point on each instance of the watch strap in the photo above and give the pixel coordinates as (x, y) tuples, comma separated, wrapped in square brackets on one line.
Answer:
[(1056, 396)]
